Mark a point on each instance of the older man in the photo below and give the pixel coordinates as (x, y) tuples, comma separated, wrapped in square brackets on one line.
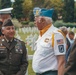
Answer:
[(13, 53), (50, 47)]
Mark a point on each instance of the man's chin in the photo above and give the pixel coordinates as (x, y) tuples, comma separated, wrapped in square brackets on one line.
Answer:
[(11, 37)]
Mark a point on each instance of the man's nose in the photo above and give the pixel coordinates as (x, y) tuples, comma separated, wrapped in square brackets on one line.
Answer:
[(11, 29)]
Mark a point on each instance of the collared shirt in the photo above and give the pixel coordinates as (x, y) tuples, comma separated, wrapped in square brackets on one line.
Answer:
[(44, 30), (45, 56), (8, 40)]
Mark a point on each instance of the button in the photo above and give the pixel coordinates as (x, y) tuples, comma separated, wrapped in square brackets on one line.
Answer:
[(10, 53)]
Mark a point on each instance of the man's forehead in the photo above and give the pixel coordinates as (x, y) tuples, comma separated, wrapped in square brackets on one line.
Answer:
[(38, 17), (9, 26)]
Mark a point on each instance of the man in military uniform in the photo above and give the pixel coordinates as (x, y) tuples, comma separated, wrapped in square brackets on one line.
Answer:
[(13, 53), (49, 56)]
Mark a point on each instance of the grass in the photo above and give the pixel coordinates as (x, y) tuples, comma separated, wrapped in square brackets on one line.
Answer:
[(30, 52), (30, 71)]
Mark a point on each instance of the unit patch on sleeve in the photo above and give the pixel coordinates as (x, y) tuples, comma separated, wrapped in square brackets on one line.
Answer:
[(61, 48)]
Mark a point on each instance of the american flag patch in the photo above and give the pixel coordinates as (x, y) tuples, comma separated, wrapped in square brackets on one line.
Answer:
[(60, 41)]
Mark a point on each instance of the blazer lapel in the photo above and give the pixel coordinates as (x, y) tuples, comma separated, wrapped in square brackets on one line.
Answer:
[(4, 42)]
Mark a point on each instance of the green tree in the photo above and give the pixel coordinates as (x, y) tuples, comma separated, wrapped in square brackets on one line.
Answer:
[(0, 4), (75, 13), (18, 10), (38, 3), (68, 13), (27, 7), (5, 4), (57, 5)]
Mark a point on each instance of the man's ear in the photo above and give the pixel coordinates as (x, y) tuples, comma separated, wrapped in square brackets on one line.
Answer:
[(42, 19), (2, 31)]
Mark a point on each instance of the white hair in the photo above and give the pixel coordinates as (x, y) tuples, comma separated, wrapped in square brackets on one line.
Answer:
[(48, 19), (3, 28)]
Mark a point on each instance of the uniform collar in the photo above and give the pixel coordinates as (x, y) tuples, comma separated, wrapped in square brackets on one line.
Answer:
[(8, 40), (62, 33), (45, 29)]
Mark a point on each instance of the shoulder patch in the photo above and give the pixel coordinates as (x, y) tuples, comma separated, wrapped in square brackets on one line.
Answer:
[(61, 48), (60, 41)]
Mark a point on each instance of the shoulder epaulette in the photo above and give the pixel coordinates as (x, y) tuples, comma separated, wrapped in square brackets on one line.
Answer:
[(53, 37)]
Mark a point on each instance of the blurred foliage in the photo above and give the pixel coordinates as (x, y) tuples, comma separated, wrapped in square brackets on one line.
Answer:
[(18, 9), (61, 23), (75, 13), (31, 24), (38, 3), (16, 23), (25, 22), (27, 6), (56, 4), (5, 4), (68, 13)]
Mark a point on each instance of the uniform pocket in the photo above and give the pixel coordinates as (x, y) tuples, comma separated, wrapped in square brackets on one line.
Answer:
[(46, 45), (3, 53), (3, 50), (45, 48)]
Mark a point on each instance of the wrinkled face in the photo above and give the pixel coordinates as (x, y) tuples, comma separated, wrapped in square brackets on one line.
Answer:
[(9, 32), (38, 22)]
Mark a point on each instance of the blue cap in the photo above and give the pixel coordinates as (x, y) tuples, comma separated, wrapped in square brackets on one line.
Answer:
[(43, 12), (47, 12)]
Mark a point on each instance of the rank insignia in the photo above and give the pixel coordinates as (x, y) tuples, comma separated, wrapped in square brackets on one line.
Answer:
[(2, 39)]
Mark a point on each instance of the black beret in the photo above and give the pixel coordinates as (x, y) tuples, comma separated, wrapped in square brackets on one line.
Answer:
[(7, 22)]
